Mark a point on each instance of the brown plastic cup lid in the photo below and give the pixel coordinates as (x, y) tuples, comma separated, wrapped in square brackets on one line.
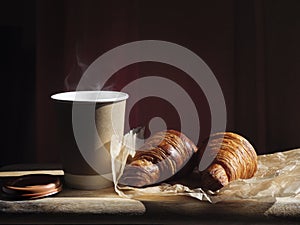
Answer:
[(32, 186)]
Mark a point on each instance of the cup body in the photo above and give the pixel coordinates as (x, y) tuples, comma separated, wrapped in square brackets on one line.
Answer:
[(87, 120)]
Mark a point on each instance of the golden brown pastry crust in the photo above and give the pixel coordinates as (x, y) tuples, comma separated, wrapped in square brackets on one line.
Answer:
[(161, 157), (235, 158)]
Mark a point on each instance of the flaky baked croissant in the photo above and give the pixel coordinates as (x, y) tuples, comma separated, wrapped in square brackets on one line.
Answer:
[(161, 157), (235, 158)]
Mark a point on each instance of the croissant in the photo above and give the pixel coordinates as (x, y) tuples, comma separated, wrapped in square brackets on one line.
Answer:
[(161, 157), (235, 158)]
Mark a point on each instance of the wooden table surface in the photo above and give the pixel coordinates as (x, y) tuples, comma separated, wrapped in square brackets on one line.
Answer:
[(106, 207)]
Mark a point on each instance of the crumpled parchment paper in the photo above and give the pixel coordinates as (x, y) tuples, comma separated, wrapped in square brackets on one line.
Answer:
[(278, 175)]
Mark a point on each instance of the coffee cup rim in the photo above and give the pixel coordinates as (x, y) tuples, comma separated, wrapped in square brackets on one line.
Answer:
[(90, 96)]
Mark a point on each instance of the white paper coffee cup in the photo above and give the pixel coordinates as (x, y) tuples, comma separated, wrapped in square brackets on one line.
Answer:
[(85, 152)]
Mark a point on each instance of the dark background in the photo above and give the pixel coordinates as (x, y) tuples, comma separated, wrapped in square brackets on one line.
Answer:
[(251, 46)]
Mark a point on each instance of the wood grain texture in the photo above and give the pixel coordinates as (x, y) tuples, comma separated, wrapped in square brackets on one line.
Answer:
[(105, 206)]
